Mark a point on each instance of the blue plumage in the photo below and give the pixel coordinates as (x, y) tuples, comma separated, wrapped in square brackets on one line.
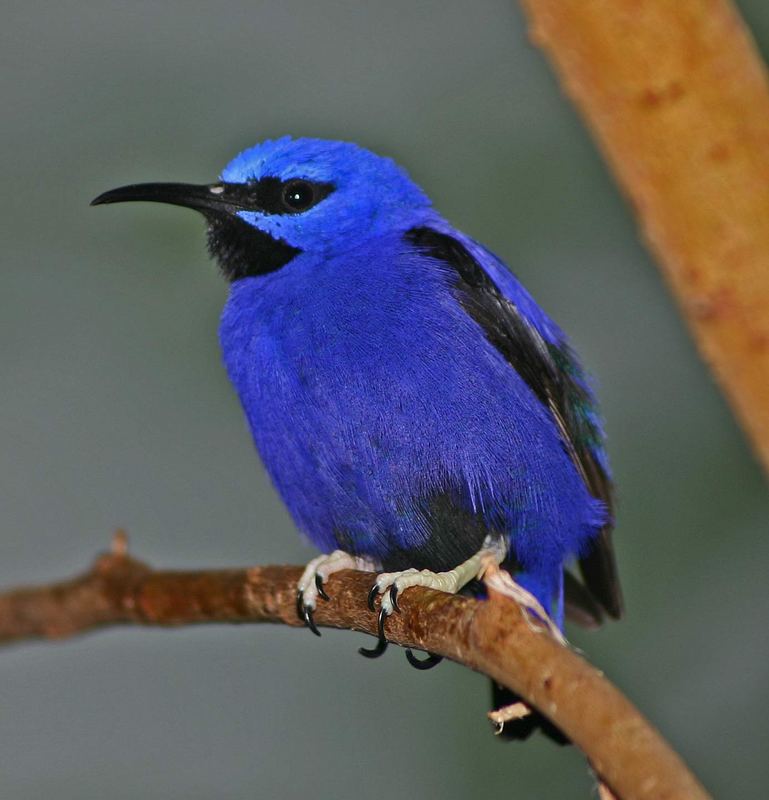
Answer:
[(370, 390), (408, 397)]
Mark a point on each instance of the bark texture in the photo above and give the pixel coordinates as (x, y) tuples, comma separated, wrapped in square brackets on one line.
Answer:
[(677, 98)]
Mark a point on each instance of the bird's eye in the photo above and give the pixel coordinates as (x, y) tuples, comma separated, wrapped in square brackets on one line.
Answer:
[(298, 195)]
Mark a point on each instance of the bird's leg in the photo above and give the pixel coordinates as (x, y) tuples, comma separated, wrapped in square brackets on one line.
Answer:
[(390, 584), (310, 585), (502, 582)]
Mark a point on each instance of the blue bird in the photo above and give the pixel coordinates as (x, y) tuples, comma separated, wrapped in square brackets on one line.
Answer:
[(416, 409)]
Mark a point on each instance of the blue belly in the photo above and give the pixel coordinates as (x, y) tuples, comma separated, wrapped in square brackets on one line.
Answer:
[(370, 411)]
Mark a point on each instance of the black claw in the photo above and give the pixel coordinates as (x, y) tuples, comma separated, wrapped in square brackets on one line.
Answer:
[(374, 652), (374, 591), (423, 663), (309, 621), (319, 587), (394, 597), (381, 645)]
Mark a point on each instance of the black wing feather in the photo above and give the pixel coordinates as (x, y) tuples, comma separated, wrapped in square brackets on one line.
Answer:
[(553, 374)]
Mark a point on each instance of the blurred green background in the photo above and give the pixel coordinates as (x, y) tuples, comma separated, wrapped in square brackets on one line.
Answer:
[(116, 409)]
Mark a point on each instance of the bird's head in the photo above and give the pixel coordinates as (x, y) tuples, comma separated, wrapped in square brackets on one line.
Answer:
[(287, 196)]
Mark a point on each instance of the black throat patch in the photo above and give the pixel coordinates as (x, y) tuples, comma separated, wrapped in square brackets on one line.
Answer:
[(243, 251)]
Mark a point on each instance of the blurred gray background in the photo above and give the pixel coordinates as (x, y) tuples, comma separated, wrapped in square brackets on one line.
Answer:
[(116, 410)]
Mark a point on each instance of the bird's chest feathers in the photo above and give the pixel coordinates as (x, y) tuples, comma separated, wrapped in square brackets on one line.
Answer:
[(328, 349)]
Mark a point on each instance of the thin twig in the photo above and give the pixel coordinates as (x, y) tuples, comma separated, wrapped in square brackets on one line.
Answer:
[(495, 637)]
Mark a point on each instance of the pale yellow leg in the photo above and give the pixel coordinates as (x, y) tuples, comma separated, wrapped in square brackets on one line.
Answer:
[(493, 550), (326, 565)]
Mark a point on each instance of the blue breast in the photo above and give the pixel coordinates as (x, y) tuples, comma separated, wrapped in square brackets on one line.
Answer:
[(370, 391)]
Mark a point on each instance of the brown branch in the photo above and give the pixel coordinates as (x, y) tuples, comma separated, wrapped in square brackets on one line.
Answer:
[(678, 100), (493, 637)]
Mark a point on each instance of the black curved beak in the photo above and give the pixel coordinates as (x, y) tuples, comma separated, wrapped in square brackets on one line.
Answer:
[(208, 199)]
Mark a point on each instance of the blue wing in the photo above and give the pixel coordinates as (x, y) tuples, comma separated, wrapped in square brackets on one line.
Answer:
[(537, 349)]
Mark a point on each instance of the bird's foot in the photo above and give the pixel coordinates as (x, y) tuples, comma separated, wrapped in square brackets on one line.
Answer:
[(389, 586), (500, 581), (310, 585)]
